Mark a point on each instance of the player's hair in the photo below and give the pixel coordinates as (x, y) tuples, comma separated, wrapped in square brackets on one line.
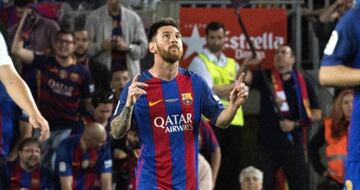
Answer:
[(163, 22), (213, 26), (64, 32), (27, 141), (102, 97)]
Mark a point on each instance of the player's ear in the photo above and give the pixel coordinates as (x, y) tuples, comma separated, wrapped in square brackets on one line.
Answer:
[(152, 47)]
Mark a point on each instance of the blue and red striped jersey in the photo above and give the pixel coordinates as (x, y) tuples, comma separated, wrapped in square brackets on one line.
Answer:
[(344, 48), (85, 167), (61, 89), (8, 116), (167, 121), (31, 180), (208, 137)]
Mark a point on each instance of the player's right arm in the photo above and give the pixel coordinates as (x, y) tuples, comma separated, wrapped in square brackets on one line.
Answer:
[(339, 75), (122, 122), (26, 56), (339, 54)]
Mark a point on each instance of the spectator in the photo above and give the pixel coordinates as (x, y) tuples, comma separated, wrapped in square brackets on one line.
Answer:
[(25, 173), (99, 72), (118, 37), (251, 179), (102, 102), (63, 85), (280, 142), (21, 95), (61, 79), (334, 135), (220, 73), (118, 80), (10, 15), (84, 161)]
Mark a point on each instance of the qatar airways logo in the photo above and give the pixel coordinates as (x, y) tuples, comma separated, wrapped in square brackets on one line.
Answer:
[(60, 88), (261, 42), (175, 123)]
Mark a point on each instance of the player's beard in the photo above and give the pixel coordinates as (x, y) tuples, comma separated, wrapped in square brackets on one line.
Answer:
[(169, 56), (32, 162)]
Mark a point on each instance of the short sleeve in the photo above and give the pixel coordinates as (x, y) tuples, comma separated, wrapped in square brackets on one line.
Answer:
[(211, 103), (342, 43), (105, 162), (63, 161)]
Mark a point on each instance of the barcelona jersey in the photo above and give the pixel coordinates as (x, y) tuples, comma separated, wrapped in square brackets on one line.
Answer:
[(343, 48), (167, 121)]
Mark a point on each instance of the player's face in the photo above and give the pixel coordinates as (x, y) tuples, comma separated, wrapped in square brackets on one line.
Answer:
[(30, 156), (283, 59), (251, 182), (119, 79), (215, 40), (65, 45), (169, 44), (81, 42), (347, 105), (103, 112)]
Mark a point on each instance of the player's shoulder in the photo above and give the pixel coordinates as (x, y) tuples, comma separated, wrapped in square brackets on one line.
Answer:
[(189, 74), (350, 18)]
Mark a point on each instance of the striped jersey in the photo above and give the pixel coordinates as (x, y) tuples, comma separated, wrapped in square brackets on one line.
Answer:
[(167, 121), (31, 180), (84, 167), (61, 89), (343, 48)]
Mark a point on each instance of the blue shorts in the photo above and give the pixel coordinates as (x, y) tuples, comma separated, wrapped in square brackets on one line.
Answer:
[(352, 176)]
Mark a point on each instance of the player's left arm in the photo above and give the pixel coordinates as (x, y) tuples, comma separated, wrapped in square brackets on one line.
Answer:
[(105, 181), (66, 182), (237, 97)]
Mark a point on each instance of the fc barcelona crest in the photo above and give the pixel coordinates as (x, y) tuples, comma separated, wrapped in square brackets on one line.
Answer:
[(186, 98), (62, 74)]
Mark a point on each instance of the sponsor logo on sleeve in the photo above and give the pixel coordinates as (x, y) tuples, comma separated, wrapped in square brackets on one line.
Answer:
[(331, 45), (108, 163), (62, 167)]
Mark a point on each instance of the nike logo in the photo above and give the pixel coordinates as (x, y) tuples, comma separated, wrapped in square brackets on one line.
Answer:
[(154, 103)]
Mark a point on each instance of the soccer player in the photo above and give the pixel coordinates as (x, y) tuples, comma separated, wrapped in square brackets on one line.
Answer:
[(165, 104), (340, 67), (84, 161)]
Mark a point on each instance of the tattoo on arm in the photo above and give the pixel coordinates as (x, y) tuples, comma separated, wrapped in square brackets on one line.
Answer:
[(121, 123)]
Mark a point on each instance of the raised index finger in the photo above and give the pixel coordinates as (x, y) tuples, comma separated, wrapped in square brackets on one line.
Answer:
[(241, 77)]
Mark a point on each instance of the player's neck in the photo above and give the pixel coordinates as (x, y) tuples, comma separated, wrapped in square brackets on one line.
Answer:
[(164, 70), (66, 61)]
